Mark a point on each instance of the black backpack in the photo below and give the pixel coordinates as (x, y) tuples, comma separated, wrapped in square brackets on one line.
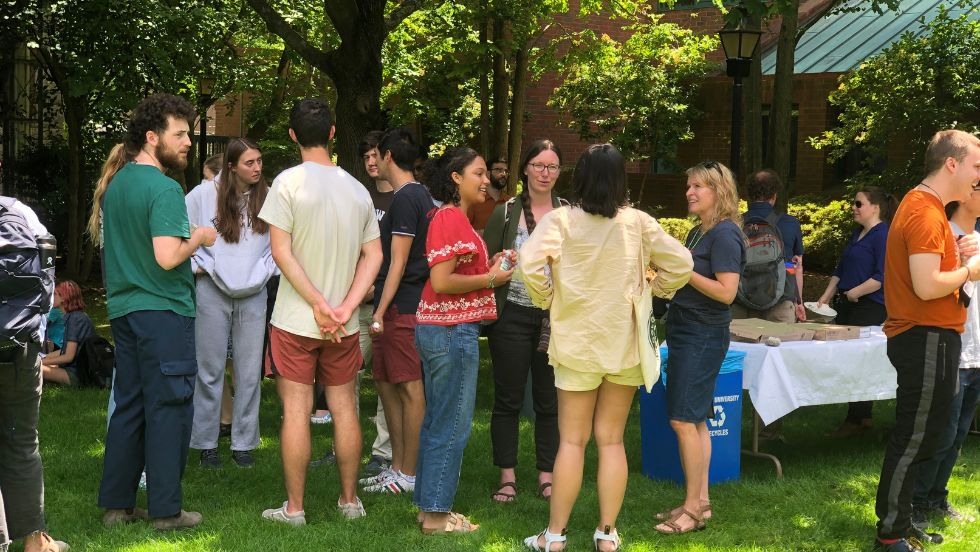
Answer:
[(25, 288), (95, 362)]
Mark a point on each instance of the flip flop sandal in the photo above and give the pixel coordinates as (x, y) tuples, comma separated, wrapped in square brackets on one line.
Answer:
[(541, 489), (505, 498), (705, 513), (674, 529), (457, 523)]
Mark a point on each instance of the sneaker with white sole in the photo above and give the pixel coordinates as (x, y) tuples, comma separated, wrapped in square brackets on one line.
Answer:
[(375, 479), (380, 484), (352, 510), (280, 515), (397, 485), (325, 419)]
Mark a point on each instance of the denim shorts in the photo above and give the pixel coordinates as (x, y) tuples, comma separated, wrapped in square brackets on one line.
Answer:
[(696, 353)]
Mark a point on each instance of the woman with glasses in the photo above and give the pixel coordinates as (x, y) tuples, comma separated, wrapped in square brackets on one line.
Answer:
[(515, 337), (586, 263), (697, 333), (856, 288)]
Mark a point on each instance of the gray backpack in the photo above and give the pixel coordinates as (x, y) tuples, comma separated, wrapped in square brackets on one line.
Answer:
[(25, 289)]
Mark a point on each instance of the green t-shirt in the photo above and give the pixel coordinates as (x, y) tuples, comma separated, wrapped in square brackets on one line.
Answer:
[(140, 204)]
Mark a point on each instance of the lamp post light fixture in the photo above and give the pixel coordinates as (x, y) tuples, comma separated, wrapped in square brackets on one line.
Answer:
[(740, 45), (206, 88)]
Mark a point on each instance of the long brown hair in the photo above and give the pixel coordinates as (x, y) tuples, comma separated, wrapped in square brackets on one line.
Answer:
[(117, 159), (230, 198)]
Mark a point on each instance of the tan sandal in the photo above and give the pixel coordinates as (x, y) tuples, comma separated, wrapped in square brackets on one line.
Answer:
[(673, 528), (705, 512), (457, 523)]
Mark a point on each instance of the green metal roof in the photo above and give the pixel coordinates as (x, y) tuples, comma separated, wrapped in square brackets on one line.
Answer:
[(840, 42)]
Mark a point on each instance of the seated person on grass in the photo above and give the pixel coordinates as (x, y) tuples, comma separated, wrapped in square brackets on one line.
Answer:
[(59, 366)]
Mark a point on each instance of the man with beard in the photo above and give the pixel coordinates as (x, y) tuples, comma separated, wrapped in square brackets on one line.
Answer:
[(150, 289), (497, 192)]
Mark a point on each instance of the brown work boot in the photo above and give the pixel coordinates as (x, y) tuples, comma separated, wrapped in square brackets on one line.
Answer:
[(39, 541), (119, 516), (183, 520)]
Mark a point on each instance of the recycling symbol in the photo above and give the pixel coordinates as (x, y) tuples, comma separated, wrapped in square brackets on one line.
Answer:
[(719, 419)]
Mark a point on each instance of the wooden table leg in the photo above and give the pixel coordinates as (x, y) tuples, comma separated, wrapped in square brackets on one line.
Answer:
[(754, 451)]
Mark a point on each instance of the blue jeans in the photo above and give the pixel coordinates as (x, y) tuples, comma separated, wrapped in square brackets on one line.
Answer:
[(450, 361), (930, 485)]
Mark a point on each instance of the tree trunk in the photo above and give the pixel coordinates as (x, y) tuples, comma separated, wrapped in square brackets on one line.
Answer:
[(752, 151), (356, 74), (486, 68), (501, 86), (781, 112), (517, 117), (74, 117)]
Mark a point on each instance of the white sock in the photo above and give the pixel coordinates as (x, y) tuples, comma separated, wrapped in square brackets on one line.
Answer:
[(408, 478)]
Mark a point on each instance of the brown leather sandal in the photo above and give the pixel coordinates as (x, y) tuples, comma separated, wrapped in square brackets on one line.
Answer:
[(541, 488), (673, 528), (503, 498), (705, 512), (457, 523)]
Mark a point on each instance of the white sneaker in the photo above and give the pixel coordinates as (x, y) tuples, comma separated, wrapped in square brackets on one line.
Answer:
[(377, 486), (325, 419), (280, 515), (352, 510), (397, 485), (375, 479)]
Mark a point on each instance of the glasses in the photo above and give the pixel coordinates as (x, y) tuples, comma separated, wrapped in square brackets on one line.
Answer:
[(858, 204), (540, 167)]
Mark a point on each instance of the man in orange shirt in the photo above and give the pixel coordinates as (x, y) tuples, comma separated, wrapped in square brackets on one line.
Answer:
[(925, 268), (497, 191)]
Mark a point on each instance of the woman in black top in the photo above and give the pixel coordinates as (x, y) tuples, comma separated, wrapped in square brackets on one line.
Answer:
[(60, 366)]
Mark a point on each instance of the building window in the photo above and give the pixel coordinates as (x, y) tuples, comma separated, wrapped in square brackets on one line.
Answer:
[(793, 139)]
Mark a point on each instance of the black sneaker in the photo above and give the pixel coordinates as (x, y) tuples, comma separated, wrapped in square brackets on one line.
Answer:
[(376, 465), (328, 459), (922, 535), (947, 511), (920, 517), (902, 545), (243, 458), (209, 459), (224, 431)]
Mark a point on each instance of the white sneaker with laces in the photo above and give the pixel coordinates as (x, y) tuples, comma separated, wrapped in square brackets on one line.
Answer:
[(375, 479), (352, 510), (381, 484), (280, 515)]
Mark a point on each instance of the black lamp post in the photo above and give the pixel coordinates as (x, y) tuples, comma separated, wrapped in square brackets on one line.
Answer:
[(207, 85), (739, 44)]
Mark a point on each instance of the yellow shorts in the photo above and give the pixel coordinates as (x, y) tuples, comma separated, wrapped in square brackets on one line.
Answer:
[(569, 379)]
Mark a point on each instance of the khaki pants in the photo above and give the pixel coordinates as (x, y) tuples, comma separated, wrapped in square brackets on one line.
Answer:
[(784, 311)]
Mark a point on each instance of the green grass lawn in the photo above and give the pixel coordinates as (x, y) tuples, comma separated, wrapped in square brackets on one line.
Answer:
[(825, 502)]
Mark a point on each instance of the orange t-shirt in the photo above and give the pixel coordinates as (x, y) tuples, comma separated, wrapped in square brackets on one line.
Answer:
[(480, 213), (919, 226)]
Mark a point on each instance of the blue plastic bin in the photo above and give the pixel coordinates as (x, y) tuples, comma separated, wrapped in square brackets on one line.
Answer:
[(661, 459)]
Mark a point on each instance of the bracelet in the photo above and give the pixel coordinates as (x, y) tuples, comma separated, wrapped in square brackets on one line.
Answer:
[(490, 284)]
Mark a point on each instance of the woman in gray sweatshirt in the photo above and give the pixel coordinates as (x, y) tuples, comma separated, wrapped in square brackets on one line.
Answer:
[(231, 300)]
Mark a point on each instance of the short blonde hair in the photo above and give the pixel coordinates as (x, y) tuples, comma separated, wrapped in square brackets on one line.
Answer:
[(719, 178), (945, 144)]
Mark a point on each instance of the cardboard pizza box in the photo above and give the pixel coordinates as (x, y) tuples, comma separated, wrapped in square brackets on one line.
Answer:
[(756, 330), (832, 332)]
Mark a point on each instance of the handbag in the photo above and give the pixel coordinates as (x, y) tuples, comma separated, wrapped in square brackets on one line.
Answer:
[(646, 329)]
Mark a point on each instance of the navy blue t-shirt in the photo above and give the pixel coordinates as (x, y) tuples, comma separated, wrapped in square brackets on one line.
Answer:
[(863, 259), (721, 249), (78, 328), (408, 215)]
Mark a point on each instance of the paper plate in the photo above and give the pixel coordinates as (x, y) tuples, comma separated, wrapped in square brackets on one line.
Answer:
[(822, 310)]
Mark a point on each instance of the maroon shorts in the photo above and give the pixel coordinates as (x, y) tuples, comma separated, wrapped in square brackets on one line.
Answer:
[(307, 360), (395, 358)]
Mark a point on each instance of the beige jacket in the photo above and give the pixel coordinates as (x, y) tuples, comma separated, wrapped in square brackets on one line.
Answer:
[(595, 263)]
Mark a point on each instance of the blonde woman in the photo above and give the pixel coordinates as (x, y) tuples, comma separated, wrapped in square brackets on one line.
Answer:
[(697, 333), (595, 249)]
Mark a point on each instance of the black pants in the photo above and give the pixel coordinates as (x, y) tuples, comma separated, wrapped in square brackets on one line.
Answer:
[(156, 370), (864, 312), (926, 360), (21, 477), (513, 344)]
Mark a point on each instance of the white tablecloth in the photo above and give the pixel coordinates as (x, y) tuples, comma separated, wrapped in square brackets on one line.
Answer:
[(806, 373)]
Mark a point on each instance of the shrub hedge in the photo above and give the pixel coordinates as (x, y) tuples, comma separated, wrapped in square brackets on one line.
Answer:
[(826, 227)]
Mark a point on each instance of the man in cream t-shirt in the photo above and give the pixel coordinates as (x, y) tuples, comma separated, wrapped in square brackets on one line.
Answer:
[(325, 240)]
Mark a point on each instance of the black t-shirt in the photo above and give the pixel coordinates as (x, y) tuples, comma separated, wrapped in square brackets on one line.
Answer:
[(721, 249), (408, 215), (382, 200), (78, 328)]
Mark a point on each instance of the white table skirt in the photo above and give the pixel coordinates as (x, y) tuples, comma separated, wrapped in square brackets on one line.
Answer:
[(806, 373)]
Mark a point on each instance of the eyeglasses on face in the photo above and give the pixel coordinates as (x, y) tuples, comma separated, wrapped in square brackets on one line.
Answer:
[(541, 167), (858, 204)]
